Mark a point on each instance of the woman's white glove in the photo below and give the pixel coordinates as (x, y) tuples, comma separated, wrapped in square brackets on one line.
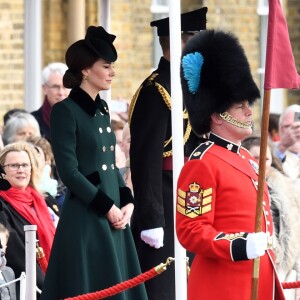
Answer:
[(153, 237), (257, 244)]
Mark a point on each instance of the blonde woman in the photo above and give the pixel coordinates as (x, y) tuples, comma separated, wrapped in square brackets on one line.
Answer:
[(22, 204)]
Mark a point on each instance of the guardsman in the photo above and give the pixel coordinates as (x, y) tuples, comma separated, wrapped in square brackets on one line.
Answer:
[(217, 187)]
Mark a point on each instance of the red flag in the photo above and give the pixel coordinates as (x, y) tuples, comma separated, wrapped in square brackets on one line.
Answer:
[(280, 71)]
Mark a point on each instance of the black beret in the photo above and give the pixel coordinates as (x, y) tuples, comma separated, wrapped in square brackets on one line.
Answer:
[(190, 21), (223, 78), (101, 43)]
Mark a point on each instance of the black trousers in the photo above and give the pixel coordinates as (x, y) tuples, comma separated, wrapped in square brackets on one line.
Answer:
[(161, 287)]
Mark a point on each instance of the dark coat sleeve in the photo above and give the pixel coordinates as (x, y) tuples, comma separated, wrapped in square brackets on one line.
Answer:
[(148, 127)]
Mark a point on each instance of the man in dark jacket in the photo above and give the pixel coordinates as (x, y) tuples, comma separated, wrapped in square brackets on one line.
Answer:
[(151, 161), (53, 91)]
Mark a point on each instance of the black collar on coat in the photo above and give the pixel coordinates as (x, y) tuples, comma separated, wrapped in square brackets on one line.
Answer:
[(85, 101), (224, 143)]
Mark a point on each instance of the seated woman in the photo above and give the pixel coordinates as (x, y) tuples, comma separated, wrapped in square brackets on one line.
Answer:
[(55, 188), (23, 205), (48, 184), (19, 127)]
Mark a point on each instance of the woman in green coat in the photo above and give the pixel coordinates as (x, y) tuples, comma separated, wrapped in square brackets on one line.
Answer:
[(93, 248)]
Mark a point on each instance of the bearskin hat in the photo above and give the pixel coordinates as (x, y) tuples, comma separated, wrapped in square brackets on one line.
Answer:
[(215, 74)]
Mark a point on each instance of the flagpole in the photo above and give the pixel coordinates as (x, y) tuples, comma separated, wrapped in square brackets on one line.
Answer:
[(177, 140), (278, 74), (261, 184)]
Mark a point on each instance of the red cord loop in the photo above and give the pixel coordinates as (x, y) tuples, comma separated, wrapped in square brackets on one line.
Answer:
[(291, 285), (120, 287)]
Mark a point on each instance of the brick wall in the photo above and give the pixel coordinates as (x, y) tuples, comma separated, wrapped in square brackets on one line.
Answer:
[(130, 23), (292, 10), (11, 55), (54, 30)]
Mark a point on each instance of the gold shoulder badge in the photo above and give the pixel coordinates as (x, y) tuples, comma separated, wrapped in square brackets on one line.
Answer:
[(194, 202), (231, 236)]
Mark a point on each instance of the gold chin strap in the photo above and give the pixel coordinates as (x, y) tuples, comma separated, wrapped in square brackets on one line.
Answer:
[(230, 119)]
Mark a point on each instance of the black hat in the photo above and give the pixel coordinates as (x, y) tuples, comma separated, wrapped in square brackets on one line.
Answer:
[(190, 21), (101, 43), (215, 74)]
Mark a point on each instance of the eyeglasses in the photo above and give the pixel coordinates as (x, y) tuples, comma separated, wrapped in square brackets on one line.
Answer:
[(56, 87), (16, 167)]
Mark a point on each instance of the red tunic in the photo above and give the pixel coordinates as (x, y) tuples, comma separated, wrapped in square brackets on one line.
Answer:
[(216, 206)]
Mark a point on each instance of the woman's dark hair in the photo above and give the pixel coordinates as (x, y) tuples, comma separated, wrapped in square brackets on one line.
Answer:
[(78, 57), (254, 140), (11, 113)]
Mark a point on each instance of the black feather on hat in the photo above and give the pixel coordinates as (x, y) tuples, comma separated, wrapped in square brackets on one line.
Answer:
[(215, 74), (101, 43)]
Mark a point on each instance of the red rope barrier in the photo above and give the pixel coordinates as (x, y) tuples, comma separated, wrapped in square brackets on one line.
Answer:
[(120, 287), (144, 277), (291, 285)]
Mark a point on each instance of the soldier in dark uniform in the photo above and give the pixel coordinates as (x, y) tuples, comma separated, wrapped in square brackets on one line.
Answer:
[(151, 161)]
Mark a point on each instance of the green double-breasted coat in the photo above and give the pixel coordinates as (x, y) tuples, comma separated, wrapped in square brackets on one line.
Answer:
[(88, 255)]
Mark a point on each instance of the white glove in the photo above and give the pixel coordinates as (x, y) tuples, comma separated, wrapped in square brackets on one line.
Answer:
[(153, 237), (257, 244)]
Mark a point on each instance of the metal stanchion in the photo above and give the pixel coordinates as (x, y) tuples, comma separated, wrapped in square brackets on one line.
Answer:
[(22, 286), (30, 266)]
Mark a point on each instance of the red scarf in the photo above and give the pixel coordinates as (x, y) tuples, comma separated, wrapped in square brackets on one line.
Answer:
[(32, 207), (46, 111)]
